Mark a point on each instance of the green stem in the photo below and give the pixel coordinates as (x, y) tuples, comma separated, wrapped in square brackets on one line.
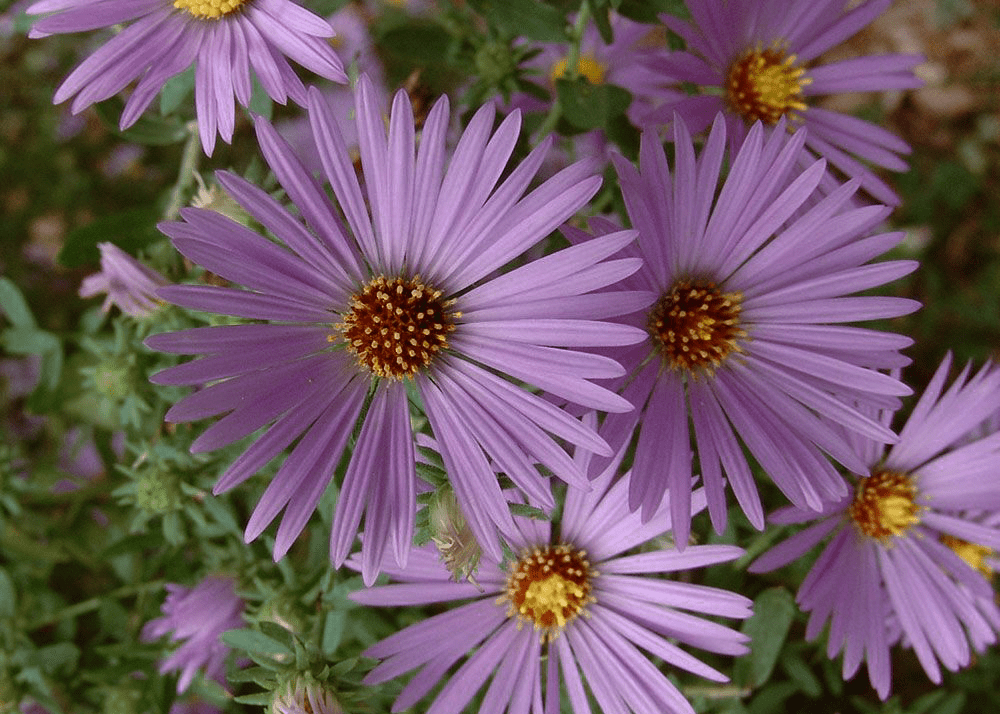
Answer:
[(185, 176), (93, 603), (572, 67)]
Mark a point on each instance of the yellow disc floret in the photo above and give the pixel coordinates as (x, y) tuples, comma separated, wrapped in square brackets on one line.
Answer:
[(766, 85), (884, 505), (587, 67), (695, 326), (972, 553), (548, 587), (209, 9)]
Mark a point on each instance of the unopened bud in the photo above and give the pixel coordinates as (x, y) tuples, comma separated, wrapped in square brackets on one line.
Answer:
[(451, 534)]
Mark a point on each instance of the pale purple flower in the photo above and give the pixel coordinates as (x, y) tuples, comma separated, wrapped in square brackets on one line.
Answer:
[(196, 617), (912, 547), (571, 612), (223, 39), (128, 284), (405, 295), (747, 340), (757, 61)]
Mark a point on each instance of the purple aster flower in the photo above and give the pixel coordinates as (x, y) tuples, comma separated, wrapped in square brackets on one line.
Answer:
[(747, 337), (571, 611), (406, 294), (197, 617), (757, 59), (223, 39), (128, 283), (911, 551)]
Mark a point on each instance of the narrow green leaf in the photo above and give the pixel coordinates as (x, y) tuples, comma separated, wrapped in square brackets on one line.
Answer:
[(254, 641), (14, 305), (526, 18), (129, 230), (773, 611), (8, 596)]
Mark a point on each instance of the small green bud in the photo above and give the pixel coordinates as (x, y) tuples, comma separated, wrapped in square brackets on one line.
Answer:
[(304, 695), (494, 62), (157, 492), (113, 380)]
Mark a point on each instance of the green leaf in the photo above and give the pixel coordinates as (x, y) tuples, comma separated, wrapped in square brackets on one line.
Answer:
[(333, 631), (14, 305), (261, 699), (150, 129), (260, 102), (522, 509), (176, 90), (773, 611), (130, 230), (525, 18), (254, 641), (587, 106), (8, 596), (800, 673), (420, 43), (28, 341)]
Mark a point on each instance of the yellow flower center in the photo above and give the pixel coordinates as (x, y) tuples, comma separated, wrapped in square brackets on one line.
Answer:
[(884, 505), (696, 326), (209, 9), (766, 85), (972, 553), (587, 66), (549, 587), (396, 326)]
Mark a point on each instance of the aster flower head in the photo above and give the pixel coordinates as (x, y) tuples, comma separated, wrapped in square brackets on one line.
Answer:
[(570, 612), (399, 296), (128, 284), (757, 59), (747, 337), (196, 617), (223, 39), (912, 549)]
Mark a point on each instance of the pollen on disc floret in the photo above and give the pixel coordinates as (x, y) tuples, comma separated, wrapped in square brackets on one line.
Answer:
[(209, 9), (885, 504), (396, 326), (695, 326), (765, 84), (548, 587)]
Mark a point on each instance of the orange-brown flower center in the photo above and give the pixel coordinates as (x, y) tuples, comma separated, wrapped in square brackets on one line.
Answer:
[(766, 85), (209, 9), (695, 326), (396, 326), (548, 587), (884, 505)]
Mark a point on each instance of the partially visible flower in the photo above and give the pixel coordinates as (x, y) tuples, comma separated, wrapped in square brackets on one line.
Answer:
[(129, 284), (571, 612), (403, 299), (196, 617), (354, 43), (305, 697), (914, 546), (756, 61), (223, 39), (747, 340)]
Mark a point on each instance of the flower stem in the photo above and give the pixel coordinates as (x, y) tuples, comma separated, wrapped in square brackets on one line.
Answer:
[(93, 603), (572, 67), (185, 176)]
